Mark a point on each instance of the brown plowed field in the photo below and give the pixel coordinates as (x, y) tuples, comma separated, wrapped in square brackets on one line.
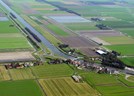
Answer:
[(89, 52), (77, 41)]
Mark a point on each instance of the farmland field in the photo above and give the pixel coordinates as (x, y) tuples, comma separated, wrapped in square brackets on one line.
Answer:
[(20, 88), (66, 87), (110, 85), (81, 26), (50, 71), (69, 19), (128, 31), (72, 22), (128, 61), (4, 75), (57, 30), (20, 74), (118, 40), (123, 49), (11, 38)]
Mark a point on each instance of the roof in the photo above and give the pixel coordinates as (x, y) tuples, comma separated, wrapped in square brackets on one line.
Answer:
[(100, 52)]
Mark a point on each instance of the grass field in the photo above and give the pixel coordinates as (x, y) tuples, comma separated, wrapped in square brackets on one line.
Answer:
[(11, 38), (109, 85), (128, 61), (127, 31), (126, 82), (126, 49), (118, 40), (117, 90), (4, 74), (118, 24), (5, 27), (57, 30), (13, 43), (100, 79), (20, 88), (20, 74), (66, 87), (48, 71), (131, 78)]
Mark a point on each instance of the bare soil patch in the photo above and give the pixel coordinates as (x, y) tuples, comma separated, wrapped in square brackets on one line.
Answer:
[(78, 42), (16, 56), (99, 33), (89, 52)]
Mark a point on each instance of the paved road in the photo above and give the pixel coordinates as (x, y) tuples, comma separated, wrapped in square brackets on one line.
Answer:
[(43, 39)]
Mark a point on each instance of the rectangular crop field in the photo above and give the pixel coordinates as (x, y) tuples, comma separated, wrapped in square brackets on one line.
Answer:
[(109, 85), (4, 74), (126, 49), (66, 87), (20, 88), (20, 74), (57, 30), (116, 90), (81, 26), (128, 61), (11, 38), (118, 40), (100, 79), (127, 31), (69, 19), (14, 43), (48, 71)]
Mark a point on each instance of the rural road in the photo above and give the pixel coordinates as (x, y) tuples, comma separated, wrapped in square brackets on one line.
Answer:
[(42, 38)]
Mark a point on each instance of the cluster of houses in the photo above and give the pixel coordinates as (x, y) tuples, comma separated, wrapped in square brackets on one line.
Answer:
[(20, 65), (55, 61), (81, 64)]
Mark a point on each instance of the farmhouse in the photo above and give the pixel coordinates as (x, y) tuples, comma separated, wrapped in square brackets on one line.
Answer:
[(77, 78)]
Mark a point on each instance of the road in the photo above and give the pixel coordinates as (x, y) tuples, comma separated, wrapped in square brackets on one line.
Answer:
[(42, 38)]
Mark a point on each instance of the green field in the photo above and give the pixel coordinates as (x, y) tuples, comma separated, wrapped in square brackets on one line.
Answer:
[(126, 49), (20, 88), (48, 71), (128, 61), (66, 87), (11, 38), (118, 24), (118, 40), (100, 79), (57, 30), (126, 82), (6, 28), (109, 85), (13, 43), (127, 31), (20, 74)]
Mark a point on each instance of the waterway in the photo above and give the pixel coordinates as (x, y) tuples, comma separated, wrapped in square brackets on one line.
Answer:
[(42, 38)]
